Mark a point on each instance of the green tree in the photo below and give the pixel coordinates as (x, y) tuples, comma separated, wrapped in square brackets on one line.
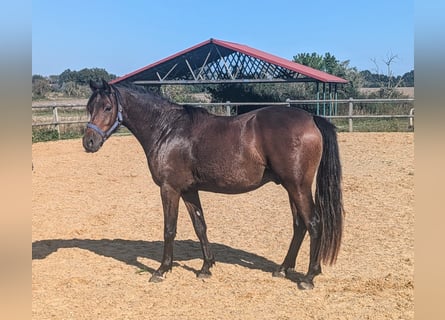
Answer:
[(73, 89), (95, 74), (40, 87), (242, 93), (67, 76), (83, 76), (329, 64), (312, 60), (375, 80)]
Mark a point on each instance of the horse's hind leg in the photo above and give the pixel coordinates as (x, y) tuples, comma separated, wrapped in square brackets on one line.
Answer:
[(299, 229), (306, 211), (193, 204)]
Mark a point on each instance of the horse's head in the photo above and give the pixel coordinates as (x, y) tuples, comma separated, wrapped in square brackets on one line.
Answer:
[(106, 115)]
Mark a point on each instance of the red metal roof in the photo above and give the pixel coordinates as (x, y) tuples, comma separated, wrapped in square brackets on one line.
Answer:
[(160, 62), (309, 72), (294, 66)]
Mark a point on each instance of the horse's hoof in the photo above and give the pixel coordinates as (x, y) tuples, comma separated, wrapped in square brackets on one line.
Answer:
[(279, 274), (303, 285), (156, 278)]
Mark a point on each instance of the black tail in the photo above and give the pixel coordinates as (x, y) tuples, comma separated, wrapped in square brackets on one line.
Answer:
[(328, 194)]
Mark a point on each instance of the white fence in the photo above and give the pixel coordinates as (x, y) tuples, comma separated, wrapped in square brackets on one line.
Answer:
[(53, 118), (350, 116), (49, 115)]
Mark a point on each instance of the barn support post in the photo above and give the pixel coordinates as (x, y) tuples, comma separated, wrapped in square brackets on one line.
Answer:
[(336, 98), (331, 98), (318, 98), (324, 99)]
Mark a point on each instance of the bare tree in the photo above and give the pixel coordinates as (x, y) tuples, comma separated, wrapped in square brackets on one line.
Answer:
[(386, 83), (377, 71), (390, 58)]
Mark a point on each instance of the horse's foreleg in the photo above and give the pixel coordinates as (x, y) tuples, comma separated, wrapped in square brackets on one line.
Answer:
[(170, 203), (299, 229), (193, 204)]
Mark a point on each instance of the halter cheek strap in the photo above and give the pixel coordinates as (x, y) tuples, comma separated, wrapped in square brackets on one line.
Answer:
[(106, 134)]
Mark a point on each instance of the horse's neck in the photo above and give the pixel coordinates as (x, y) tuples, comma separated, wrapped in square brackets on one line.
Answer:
[(147, 120)]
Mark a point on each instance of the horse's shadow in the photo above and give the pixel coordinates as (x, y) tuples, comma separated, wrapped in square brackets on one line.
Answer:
[(128, 251)]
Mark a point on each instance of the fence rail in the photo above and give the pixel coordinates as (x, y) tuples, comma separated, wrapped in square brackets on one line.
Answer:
[(56, 120), (351, 114)]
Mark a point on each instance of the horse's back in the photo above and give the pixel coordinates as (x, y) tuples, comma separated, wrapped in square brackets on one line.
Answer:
[(284, 119), (269, 131)]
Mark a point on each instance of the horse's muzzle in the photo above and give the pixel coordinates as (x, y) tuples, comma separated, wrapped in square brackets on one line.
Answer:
[(92, 141)]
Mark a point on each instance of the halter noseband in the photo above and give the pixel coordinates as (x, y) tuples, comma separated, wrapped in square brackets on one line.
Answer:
[(106, 134)]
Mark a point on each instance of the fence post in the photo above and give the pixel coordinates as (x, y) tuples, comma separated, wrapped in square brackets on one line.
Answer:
[(351, 108), (228, 113), (56, 120), (288, 102)]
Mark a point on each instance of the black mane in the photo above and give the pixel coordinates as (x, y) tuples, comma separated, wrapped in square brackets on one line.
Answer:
[(193, 112)]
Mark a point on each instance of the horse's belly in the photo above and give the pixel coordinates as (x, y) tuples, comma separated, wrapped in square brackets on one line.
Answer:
[(227, 188), (233, 181)]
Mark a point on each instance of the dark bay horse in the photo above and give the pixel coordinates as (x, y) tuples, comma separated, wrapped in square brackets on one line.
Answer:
[(189, 149)]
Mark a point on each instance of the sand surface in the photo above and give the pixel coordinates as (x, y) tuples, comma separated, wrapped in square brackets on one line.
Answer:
[(97, 236)]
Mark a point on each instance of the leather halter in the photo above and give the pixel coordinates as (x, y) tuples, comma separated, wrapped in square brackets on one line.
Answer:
[(106, 134)]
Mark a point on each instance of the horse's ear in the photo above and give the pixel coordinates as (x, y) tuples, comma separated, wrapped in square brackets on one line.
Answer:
[(93, 85), (106, 86)]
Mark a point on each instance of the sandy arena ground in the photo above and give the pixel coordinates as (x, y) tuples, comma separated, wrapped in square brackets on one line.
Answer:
[(97, 236)]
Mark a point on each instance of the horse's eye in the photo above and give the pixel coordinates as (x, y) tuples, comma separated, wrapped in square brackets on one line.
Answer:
[(107, 108)]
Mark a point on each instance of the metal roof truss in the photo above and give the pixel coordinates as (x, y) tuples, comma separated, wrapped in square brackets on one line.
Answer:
[(216, 64)]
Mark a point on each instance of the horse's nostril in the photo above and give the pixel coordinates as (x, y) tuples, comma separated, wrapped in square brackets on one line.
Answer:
[(90, 143)]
